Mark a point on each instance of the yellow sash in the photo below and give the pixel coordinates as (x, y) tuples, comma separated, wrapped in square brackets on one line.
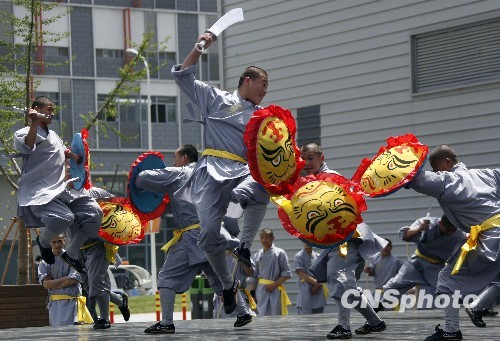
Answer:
[(343, 247), (325, 289), (251, 301), (224, 154), (83, 313), (429, 259), (285, 300), (471, 242), (177, 236), (111, 250)]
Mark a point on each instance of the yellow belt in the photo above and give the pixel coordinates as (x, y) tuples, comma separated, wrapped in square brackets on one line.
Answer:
[(285, 300), (251, 301), (325, 289), (111, 250), (429, 259), (83, 313), (343, 247), (471, 242), (177, 236), (224, 154)]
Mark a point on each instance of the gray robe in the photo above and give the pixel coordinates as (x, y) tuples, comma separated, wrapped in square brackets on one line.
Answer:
[(43, 197), (384, 268), (305, 299), (270, 265), (468, 197), (218, 181), (185, 259), (419, 271), (341, 273), (61, 312)]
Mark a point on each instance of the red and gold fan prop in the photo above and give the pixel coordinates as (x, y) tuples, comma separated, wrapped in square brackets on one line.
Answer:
[(147, 205), (393, 167), (272, 153), (120, 225), (323, 210)]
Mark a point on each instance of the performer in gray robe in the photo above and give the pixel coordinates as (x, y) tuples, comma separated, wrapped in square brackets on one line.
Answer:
[(96, 282), (341, 272), (312, 154), (63, 284), (44, 200), (470, 199), (222, 174), (271, 271), (184, 258), (383, 266), (435, 238), (311, 295)]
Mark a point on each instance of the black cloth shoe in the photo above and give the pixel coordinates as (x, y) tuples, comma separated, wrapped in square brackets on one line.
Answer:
[(243, 320), (242, 254), (229, 297), (489, 312), (442, 335), (160, 329), (476, 317), (124, 308), (339, 332), (102, 324), (74, 263), (366, 328), (46, 252)]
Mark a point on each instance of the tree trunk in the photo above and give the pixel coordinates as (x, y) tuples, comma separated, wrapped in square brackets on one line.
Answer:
[(22, 255)]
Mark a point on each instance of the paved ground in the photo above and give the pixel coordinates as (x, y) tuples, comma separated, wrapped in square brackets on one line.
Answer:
[(411, 325)]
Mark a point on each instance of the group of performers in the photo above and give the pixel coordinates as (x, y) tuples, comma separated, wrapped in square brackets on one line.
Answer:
[(202, 193)]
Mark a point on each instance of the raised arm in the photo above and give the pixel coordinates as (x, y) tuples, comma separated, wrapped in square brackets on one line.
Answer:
[(195, 54)]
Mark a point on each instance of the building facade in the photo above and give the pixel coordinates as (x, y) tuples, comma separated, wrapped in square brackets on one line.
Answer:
[(353, 72), (99, 33)]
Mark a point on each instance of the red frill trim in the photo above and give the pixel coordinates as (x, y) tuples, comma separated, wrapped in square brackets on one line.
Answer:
[(87, 184), (250, 139), (116, 241), (350, 188), (147, 216), (393, 141)]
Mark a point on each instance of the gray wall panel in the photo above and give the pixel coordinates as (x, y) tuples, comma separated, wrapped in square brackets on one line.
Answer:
[(353, 59)]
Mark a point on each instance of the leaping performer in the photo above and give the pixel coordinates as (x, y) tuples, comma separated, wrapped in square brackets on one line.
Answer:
[(43, 197), (184, 258), (222, 174)]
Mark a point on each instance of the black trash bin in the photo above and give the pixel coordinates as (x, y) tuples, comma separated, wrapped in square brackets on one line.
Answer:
[(202, 303)]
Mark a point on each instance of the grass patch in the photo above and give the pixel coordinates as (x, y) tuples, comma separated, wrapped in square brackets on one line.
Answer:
[(147, 304)]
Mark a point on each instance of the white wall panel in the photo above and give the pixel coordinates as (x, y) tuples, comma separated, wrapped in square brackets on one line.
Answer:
[(108, 29)]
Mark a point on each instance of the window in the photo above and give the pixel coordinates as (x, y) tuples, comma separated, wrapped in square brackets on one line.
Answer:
[(163, 110), (56, 51), (107, 53), (308, 125), (456, 56)]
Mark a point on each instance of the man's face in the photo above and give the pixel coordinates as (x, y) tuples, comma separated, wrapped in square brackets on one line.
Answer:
[(48, 111), (180, 160), (386, 251), (442, 165), (256, 89), (266, 240), (313, 161), (57, 244)]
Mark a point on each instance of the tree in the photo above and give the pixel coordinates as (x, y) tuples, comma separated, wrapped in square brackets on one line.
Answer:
[(17, 60)]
